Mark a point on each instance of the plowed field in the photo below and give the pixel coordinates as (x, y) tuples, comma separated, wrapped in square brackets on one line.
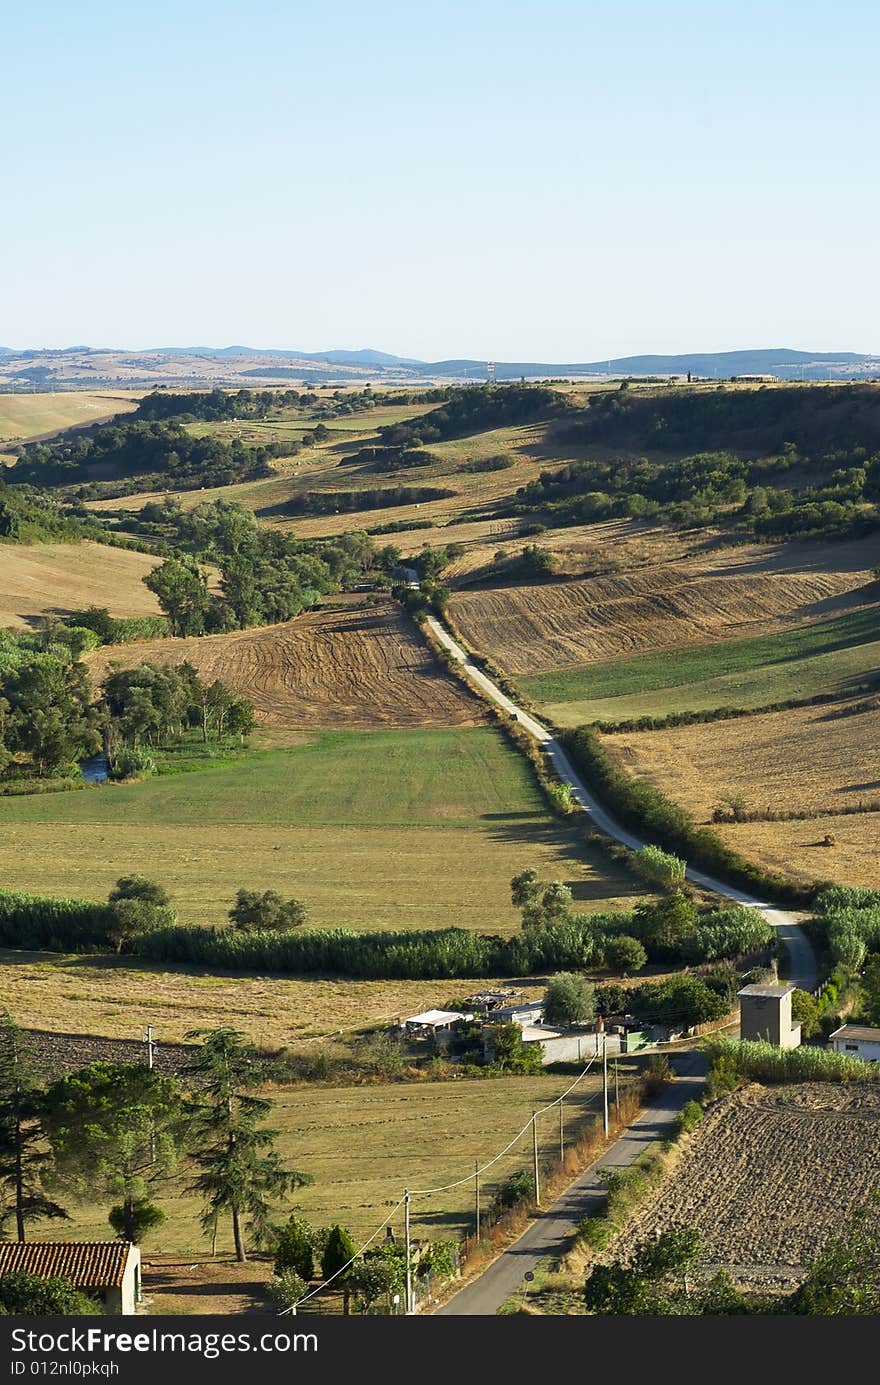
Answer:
[(361, 667), (769, 1176), (55, 578), (666, 605)]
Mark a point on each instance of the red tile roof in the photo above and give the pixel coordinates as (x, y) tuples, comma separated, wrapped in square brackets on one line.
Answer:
[(87, 1264)]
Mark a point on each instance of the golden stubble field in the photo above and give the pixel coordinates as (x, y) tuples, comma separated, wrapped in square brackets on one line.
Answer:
[(113, 998), (804, 759), (353, 667), (716, 594), (56, 578), (768, 1177)]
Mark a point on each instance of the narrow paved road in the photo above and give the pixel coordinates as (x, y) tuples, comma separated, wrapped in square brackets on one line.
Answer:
[(802, 970), (548, 1234)]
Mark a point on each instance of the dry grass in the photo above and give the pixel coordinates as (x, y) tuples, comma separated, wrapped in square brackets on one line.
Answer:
[(355, 668), (798, 850), (715, 595), (56, 578), (768, 1177), (24, 417), (807, 758), (113, 998)]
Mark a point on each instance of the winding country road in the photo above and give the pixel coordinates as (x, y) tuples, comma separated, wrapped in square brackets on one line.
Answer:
[(548, 1233), (802, 968)]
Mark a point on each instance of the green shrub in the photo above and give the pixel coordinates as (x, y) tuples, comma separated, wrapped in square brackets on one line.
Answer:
[(689, 1117)]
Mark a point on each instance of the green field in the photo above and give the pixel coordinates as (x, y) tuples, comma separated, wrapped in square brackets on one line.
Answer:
[(382, 829), (756, 672)]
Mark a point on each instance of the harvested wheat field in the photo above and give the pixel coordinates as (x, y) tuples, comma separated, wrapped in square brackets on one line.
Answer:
[(25, 417), (842, 850), (56, 578), (769, 1175), (113, 997), (805, 759), (357, 667), (715, 595)]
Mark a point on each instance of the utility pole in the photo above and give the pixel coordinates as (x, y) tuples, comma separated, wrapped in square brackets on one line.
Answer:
[(477, 1199), (616, 1089), (561, 1132), (407, 1300), (148, 1040), (535, 1158), (605, 1082)]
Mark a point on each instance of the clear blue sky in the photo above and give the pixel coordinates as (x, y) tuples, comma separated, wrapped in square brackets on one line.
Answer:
[(559, 182)]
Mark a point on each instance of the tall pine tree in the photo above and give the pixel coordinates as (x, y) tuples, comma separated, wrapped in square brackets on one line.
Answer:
[(23, 1157), (240, 1173)]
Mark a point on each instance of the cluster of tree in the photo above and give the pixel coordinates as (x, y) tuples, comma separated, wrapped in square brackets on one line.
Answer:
[(497, 1046), (670, 928), (164, 454), (47, 718), (30, 516), (119, 1131), (158, 706), (375, 1276), (136, 908), (387, 459), (474, 409), (532, 563), (267, 576), (848, 921), (378, 498), (50, 721), (117, 629), (711, 488), (678, 1002), (668, 1275)]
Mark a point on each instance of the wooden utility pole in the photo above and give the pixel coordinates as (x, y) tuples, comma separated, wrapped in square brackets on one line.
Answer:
[(535, 1158)]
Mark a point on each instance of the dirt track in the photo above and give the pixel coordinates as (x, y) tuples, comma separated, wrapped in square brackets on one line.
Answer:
[(363, 667)]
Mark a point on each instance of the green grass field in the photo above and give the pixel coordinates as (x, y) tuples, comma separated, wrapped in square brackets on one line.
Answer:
[(754, 672), (364, 1145), (383, 829)]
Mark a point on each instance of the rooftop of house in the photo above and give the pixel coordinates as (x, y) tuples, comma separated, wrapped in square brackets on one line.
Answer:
[(857, 1031), (769, 992), (86, 1264)]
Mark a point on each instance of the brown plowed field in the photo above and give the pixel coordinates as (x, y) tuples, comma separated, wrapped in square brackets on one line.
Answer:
[(361, 667), (769, 1176), (713, 596), (56, 578)]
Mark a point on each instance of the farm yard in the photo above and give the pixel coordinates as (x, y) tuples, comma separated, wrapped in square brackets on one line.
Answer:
[(767, 1177), (381, 829), (52, 579), (356, 666), (811, 759)]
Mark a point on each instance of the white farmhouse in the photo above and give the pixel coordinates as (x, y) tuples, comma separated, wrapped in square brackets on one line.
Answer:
[(857, 1041)]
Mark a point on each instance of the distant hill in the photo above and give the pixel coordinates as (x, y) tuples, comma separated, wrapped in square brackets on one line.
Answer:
[(196, 367)]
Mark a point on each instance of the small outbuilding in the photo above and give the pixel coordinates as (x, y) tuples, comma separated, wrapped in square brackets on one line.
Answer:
[(109, 1271), (432, 1022), (857, 1041), (765, 1014)]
